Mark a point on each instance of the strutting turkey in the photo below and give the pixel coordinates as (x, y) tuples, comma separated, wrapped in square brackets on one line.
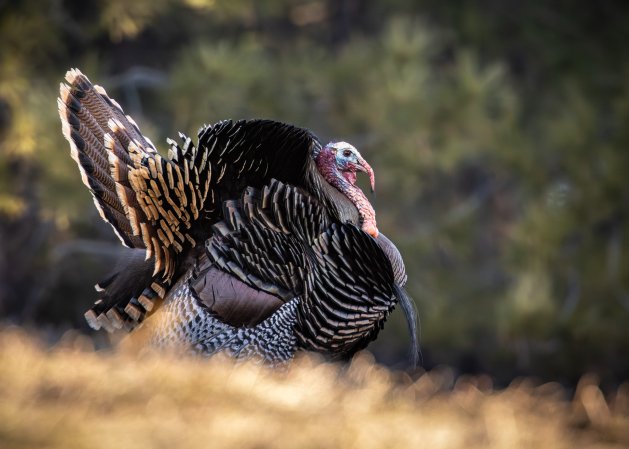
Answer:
[(255, 242)]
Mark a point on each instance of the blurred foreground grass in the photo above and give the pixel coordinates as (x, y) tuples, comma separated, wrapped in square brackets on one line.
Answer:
[(73, 397)]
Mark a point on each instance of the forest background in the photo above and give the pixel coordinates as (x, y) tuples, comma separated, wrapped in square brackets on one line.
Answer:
[(497, 131)]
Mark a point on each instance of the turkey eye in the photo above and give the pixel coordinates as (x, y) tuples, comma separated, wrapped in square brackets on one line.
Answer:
[(347, 153)]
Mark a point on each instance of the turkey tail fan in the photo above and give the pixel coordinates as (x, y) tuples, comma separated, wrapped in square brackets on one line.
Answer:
[(412, 321), (127, 280), (103, 141), (151, 202), (111, 154), (124, 303), (99, 134)]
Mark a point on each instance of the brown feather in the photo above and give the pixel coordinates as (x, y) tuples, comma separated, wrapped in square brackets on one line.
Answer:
[(230, 299)]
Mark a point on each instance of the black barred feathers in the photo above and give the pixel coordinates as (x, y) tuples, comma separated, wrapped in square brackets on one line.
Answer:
[(350, 291), (280, 240)]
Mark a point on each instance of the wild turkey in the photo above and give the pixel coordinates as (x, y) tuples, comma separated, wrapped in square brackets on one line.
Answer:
[(255, 242)]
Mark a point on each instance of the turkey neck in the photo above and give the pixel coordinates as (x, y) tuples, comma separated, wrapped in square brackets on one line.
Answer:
[(340, 205), (356, 196), (367, 215)]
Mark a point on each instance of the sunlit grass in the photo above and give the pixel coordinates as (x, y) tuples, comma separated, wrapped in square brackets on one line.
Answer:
[(74, 397)]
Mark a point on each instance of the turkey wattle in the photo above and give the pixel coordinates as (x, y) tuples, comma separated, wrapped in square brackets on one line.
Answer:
[(255, 242)]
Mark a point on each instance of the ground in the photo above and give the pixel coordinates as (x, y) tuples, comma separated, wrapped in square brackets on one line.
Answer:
[(71, 396)]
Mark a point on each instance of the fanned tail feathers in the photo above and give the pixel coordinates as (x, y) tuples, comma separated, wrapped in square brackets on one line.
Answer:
[(85, 113), (150, 202)]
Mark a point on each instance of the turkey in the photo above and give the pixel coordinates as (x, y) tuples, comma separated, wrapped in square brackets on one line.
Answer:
[(255, 241)]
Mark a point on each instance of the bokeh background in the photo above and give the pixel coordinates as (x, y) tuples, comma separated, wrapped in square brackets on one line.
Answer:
[(497, 130)]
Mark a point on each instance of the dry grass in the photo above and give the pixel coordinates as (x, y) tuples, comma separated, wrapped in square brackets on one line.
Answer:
[(73, 397)]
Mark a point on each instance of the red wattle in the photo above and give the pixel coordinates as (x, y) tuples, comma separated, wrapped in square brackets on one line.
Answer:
[(350, 177)]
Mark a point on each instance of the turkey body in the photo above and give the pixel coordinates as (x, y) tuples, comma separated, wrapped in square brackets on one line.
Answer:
[(254, 242)]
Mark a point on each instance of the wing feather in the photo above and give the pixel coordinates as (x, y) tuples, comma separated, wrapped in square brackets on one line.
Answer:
[(343, 277)]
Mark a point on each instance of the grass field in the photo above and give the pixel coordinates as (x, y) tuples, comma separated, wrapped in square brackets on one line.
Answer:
[(73, 397)]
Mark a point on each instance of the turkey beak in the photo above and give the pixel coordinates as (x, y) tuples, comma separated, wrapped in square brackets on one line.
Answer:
[(365, 167)]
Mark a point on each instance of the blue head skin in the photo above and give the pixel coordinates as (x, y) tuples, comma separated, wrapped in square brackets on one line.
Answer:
[(348, 161)]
